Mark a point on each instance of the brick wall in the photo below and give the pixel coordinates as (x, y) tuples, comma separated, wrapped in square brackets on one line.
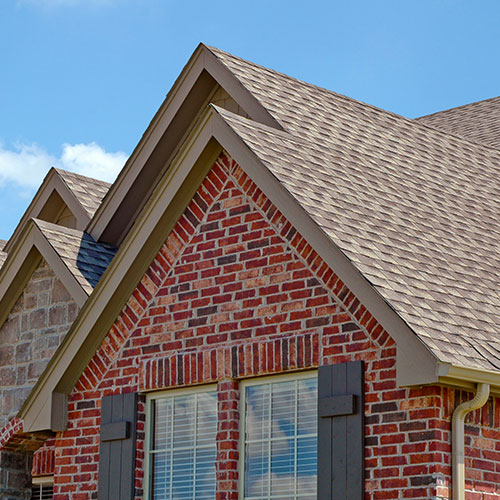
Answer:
[(29, 337), (235, 291)]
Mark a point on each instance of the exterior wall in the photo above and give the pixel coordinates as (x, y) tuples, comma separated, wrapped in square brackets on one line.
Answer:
[(236, 292), (15, 478), (29, 337)]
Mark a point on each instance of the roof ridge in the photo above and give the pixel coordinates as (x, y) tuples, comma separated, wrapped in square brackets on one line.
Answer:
[(412, 121), (81, 176), (462, 106)]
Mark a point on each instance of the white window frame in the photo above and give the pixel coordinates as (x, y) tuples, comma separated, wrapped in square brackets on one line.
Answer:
[(244, 384), (148, 434)]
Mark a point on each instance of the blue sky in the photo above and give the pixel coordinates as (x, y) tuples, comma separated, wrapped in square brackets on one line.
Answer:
[(81, 79)]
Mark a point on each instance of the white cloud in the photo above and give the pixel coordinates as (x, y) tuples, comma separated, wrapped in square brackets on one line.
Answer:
[(25, 166)]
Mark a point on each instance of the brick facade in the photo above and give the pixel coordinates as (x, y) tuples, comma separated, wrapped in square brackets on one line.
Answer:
[(235, 292)]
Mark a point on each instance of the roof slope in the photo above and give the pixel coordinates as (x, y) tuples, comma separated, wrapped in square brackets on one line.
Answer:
[(3, 255), (416, 210), (88, 191), (85, 259), (478, 121)]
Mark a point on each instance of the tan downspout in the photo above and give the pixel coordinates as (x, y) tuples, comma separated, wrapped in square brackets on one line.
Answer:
[(457, 438)]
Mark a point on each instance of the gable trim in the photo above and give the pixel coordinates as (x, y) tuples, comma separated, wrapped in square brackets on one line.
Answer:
[(53, 183), (203, 69), (415, 365), (24, 258)]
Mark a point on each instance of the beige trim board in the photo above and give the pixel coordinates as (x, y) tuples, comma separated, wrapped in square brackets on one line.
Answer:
[(48, 204), (415, 364), (168, 129), (23, 259)]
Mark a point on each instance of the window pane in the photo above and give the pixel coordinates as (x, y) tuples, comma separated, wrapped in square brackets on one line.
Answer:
[(183, 447), (280, 440)]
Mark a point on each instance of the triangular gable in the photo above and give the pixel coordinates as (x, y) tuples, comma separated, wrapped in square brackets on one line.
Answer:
[(73, 256), (204, 79), (46, 405), (64, 198)]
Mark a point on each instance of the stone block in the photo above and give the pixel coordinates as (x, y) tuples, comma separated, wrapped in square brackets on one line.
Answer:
[(43, 299), (57, 315), (59, 293), (38, 319), (35, 369), (8, 376), (30, 301), (23, 352), (7, 355), (9, 333)]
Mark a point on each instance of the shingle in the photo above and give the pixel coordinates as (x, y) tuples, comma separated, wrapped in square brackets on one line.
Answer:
[(85, 258), (89, 192), (478, 121), (415, 209)]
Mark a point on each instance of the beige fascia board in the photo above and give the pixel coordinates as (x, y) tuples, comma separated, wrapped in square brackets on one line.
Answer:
[(243, 97), (201, 60), (151, 137), (121, 277), (52, 183), (467, 378)]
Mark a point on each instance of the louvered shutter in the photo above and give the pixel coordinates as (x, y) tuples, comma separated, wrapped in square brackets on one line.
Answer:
[(117, 448), (341, 431)]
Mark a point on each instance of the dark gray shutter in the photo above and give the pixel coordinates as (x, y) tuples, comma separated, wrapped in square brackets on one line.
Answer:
[(117, 449), (341, 431)]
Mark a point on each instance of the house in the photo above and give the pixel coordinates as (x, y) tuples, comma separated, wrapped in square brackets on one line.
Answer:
[(286, 293)]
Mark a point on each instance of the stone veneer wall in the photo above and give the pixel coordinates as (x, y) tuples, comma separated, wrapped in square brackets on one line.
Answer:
[(30, 336)]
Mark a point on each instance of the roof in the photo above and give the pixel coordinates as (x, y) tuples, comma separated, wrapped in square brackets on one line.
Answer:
[(406, 214), (3, 255), (416, 210), (89, 192), (86, 259), (478, 121)]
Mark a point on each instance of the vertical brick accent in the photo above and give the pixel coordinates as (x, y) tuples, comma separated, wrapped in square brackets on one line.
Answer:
[(43, 459), (235, 291), (227, 440)]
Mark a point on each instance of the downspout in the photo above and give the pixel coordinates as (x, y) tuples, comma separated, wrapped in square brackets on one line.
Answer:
[(457, 438)]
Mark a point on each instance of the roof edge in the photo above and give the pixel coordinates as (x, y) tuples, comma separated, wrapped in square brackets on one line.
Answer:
[(202, 61), (148, 234), (53, 182)]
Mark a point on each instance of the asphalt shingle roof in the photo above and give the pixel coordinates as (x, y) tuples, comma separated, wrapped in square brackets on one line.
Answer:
[(85, 258), (477, 122), (89, 192), (416, 210), (3, 255)]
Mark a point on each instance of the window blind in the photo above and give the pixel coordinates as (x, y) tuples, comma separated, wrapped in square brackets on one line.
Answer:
[(281, 440), (183, 447)]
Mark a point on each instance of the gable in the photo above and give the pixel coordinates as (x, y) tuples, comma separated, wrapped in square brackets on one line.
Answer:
[(202, 80), (65, 199)]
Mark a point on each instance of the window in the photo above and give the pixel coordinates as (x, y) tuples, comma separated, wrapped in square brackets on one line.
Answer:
[(43, 488), (279, 438), (182, 444)]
